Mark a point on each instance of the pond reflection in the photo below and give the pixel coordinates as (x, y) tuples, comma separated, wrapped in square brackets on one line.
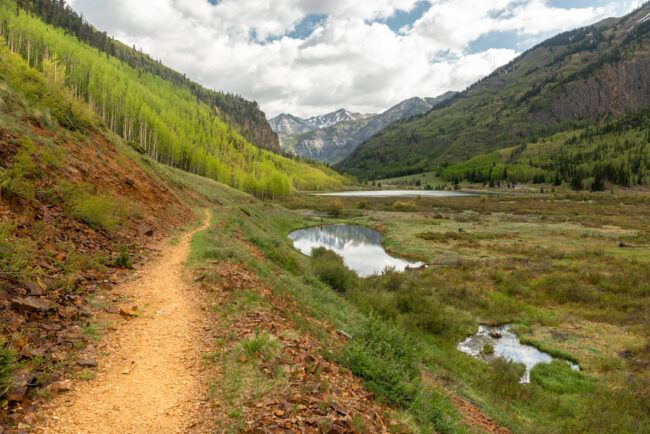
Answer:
[(359, 247)]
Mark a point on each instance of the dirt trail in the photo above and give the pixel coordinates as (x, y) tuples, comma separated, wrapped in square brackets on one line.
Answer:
[(149, 377)]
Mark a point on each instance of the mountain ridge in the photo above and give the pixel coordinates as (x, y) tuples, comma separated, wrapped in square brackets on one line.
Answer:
[(287, 124), (333, 143)]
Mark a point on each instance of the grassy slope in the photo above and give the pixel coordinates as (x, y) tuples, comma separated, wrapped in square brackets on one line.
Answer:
[(519, 102), (381, 353), (167, 121)]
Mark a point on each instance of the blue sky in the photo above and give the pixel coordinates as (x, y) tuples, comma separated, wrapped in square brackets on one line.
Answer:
[(309, 57)]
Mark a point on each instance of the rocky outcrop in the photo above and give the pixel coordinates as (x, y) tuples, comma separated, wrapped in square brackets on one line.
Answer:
[(617, 89)]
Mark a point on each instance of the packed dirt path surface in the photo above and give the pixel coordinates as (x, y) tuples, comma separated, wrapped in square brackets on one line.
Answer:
[(149, 377)]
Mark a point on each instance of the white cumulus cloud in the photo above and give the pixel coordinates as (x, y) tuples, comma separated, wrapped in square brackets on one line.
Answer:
[(352, 58)]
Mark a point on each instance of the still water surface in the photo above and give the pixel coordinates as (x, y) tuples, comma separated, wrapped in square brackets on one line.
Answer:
[(399, 193), (359, 247), (508, 347)]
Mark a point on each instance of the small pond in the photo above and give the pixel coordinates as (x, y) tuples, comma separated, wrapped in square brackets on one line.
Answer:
[(359, 247), (508, 347), (400, 193)]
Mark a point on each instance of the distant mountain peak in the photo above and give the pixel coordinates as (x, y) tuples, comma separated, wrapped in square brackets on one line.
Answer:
[(287, 124), (337, 134)]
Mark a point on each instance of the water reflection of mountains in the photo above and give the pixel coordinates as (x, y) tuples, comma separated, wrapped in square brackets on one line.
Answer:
[(339, 236)]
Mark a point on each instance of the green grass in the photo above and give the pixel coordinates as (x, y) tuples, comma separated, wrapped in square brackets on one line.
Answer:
[(7, 362), (549, 265), (379, 351), (100, 211), (87, 374)]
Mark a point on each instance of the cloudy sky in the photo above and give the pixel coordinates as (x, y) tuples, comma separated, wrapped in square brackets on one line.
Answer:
[(309, 57)]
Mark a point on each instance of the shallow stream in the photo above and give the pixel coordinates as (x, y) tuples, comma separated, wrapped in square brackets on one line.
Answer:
[(506, 346)]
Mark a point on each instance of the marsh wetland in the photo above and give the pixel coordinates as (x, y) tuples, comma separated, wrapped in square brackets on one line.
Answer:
[(569, 272)]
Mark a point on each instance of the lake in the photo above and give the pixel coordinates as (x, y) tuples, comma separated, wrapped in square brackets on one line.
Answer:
[(360, 247), (399, 193)]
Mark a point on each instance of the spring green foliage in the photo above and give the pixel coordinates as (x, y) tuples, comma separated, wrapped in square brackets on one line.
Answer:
[(329, 268), (167, 121), (403, 206), (100, 211), (245, 116), (520, 102), (617, 152)]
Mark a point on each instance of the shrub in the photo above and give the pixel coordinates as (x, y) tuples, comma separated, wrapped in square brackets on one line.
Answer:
[(405, 206), (16, 255), (124, 259), (98, 211), (393, 280), (488, 349), (363, 204), (558, 377), (265, 346), (504, 377), (18, 179), (335, 207), (284, 257), (329, 268), (385, 357)]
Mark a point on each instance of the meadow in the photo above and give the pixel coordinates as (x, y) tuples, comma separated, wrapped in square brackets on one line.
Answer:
[(570, 272)]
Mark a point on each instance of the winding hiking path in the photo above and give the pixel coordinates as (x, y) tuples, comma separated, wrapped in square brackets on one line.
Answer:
[(149, 377)]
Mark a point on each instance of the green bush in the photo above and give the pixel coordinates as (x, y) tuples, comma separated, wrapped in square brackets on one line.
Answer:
[(124, 259), (265, 346), (385, 357), (98, 211), (285, 258), (7, 360), (503, 379), (488, 349), (405, 206), (16, 255), (363, 204), (18, 179), (335, 207), (329, 268)]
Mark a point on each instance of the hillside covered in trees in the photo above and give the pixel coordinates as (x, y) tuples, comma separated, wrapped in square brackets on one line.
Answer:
[(592, 75), (617, 152), (243, 115), (155, 115)]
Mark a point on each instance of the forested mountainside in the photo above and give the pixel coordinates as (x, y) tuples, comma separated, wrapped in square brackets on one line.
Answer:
[(154, 115), (340, 140), (590, 75), (617, 152), (243, 115)]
